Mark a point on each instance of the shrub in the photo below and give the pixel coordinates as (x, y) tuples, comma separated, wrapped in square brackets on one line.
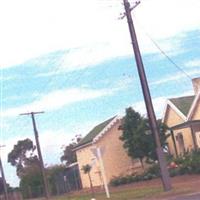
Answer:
[(188, 163), (195, 162), (121, 180), (174, 172), (154, 170)]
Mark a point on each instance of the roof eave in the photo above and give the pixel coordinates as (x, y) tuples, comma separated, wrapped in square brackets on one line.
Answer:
[(192, 108), (82, 146), (165, 111), (106, 129), (170, 103)]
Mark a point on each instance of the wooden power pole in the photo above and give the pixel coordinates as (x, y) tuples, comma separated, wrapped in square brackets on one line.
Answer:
[(3, 179), (39, 151), (147, 97)]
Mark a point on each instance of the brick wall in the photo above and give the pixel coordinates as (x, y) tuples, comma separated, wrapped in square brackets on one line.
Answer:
[(115, 159)]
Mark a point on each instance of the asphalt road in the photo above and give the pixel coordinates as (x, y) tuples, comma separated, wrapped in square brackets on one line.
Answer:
[(195, 196)]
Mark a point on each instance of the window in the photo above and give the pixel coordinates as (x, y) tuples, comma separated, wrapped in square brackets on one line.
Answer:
[(181, 145)]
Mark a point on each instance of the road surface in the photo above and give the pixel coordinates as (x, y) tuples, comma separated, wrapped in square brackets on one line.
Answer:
[(195, 196)]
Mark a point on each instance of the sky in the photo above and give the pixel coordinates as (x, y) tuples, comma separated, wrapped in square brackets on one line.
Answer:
[(74, 61)]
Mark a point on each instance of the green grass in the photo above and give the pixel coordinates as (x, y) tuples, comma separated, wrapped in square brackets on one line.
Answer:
[(127, 194), (120, 193)]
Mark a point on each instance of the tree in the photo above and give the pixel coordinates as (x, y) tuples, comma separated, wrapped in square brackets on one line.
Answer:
[(137, 137), (27, 168), (86, 169), (31, 183), (152, 155), (134, 137), (22, 156), (69, 155), (55, 172)]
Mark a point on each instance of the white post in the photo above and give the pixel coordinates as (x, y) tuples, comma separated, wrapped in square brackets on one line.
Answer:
[(103, 173)]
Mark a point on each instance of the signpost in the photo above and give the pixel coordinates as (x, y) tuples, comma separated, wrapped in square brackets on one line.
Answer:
[(97, 151)]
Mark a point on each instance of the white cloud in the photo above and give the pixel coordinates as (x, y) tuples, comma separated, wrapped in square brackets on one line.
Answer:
[(58, 99), (52, 142), (178, 76), (89, 56), (158, 104), (193, 63), (165, 19), (32, 28)]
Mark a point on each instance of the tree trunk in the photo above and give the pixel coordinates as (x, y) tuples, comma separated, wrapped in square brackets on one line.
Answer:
[(91, 186), (141, 161)]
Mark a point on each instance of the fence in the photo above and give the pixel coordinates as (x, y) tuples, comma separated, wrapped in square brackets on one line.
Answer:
[(12, 196)]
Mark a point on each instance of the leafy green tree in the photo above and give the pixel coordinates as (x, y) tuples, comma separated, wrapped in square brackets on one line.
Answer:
[(69, 155), (22, 156), (31, 183), (152, 145), (27, 168), (134, 135), (137, 137), (53, 172)]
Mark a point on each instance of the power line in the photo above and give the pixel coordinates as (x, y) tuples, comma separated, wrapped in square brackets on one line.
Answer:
[(164, 53), (167, 56), (155, 43), (147, 98)]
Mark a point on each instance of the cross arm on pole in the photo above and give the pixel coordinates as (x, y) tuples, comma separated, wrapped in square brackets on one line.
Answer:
[(31, 113), (123, 15)]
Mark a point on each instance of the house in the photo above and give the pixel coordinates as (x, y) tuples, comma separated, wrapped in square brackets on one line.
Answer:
[(182, 116), (104, 136)]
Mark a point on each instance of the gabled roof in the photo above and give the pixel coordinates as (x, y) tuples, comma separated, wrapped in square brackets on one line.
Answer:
[(193, 106), (94, 132), (183, 103)]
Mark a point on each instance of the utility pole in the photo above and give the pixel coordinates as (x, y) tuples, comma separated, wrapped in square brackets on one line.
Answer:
[(39, 151), (147, 97), (3, 179)]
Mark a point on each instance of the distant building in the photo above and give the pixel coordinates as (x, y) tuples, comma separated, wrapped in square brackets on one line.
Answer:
[(115, 159), (182, 116)]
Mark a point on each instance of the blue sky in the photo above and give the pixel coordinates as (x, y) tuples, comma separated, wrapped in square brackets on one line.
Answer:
[(80, 69)]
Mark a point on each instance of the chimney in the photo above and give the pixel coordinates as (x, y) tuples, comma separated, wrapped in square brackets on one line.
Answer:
[(196, 85)]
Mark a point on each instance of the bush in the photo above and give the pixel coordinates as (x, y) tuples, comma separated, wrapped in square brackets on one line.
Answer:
[(154, 170), (174, 172), (121, 180), (188, 163)]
